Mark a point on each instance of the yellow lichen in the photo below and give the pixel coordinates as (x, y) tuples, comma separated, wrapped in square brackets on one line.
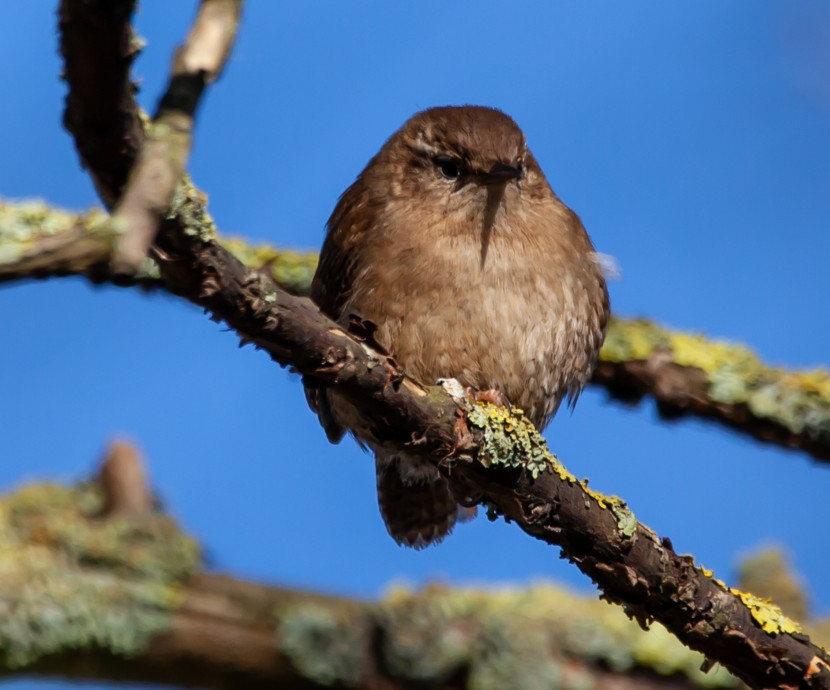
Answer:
[(766, 614), (711, 575), (815, 381), (626, 521), (692, 350), (629, 340), (291, 270), (796, 400)]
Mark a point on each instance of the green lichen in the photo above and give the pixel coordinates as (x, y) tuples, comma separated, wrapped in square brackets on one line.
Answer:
[(510, 440), (26, 220), (797, 400), (290, 270), (25, 225), (70, 580), (523, 638), (626, 521), (425, 638), (526, 638), (327, 648), (504, 659), (189, 208)]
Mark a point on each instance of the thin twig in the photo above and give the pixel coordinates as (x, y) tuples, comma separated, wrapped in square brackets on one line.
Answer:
[(123, 478), (163, 157)]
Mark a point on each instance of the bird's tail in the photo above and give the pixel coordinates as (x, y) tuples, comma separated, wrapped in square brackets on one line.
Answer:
[(414, 499)]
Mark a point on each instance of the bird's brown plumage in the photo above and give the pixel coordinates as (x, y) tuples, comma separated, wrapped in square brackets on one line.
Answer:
[(452, 242)]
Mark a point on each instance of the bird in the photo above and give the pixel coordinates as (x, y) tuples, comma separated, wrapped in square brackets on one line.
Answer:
[(453, 244)]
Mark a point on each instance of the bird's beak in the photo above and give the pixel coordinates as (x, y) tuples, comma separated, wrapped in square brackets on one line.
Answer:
[(501, 173)]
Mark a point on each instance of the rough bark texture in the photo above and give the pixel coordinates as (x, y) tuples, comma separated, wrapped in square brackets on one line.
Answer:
[(628, 561), (98, 48)]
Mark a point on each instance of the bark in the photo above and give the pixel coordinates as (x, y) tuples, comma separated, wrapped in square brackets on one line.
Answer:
[(98, 48)]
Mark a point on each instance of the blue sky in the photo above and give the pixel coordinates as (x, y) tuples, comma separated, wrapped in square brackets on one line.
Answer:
[(693, 138)]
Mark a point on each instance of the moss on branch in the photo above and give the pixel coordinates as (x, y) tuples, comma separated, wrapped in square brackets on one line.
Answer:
[(69, 580), (74, 581), (40, 241), (691, 374)]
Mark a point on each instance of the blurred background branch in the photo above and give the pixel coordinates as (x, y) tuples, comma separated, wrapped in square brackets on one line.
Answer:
[(96, 582)]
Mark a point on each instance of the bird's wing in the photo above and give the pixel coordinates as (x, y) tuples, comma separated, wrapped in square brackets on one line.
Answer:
[(332, 282)]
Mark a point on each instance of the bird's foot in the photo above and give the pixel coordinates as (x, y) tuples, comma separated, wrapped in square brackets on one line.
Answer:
[(491, 395)]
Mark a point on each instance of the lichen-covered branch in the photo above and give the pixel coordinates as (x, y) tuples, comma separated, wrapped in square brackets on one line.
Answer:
[(38, 241), (688, 374), (486, 449), (41, 241), (91, 592), (685, 374), (95, 584)]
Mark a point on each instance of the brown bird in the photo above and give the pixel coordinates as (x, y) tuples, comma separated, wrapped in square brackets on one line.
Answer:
[(453, 243)]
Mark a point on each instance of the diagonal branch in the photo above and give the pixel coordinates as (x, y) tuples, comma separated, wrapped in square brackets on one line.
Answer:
[(687, 375), (41, 241), (508, 463)]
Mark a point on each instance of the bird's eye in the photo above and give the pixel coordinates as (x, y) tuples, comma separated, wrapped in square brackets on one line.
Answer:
[(449, 167)]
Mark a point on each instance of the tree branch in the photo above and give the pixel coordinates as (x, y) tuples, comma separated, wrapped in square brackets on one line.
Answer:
[(687, 375), (163, 155), (98, 48), (508, 462), (118, 596), (41, 241)]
